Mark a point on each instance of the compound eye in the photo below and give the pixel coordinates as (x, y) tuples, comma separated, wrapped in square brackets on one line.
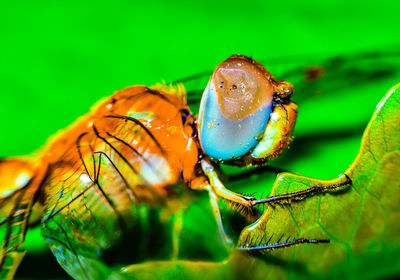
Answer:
[(235, 108)]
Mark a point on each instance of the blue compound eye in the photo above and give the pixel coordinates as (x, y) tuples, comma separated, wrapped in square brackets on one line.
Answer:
[(235, 108)]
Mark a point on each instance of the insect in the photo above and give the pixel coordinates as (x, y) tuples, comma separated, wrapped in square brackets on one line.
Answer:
[(100, 178)]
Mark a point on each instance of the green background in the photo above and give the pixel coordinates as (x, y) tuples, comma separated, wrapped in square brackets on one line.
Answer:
[(59, 57)]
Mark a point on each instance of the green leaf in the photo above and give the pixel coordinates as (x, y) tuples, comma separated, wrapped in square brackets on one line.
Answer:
[(361, 221)]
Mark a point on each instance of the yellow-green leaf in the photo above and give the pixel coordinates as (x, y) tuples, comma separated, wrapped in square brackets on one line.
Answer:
[(361, 221)]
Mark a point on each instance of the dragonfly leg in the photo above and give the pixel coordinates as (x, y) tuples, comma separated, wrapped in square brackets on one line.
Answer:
[(219, 189), (217, 215), (333, 185), (281, 244), (216, 191)]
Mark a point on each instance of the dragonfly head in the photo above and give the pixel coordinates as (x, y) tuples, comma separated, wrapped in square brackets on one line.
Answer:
[(236, 109)]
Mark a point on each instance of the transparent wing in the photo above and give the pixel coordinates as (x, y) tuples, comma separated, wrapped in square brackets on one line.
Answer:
[(96, 194), (18, 191)]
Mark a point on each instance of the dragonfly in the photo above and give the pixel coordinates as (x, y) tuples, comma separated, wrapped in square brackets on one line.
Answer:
[(150, 139)]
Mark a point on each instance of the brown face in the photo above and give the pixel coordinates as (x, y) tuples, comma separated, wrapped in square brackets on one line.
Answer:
[(242, 87)]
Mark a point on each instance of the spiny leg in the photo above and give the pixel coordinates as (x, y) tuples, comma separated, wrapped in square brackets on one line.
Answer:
[(219, 189), (216, 191), (281, 244), (302, 194), (217, 216)]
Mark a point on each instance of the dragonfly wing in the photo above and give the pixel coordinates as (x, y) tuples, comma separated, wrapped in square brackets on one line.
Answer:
[(17, 196), (99, 195)]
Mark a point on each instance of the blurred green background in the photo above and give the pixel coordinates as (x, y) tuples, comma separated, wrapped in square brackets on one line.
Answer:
[(59, 57)]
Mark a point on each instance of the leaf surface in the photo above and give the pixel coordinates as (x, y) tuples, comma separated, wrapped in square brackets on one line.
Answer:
[(361, 221)]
